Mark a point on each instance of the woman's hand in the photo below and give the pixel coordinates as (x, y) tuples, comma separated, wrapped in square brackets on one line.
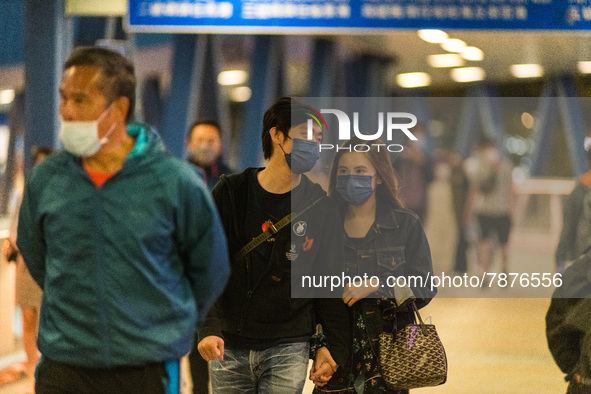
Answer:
[(357, 291)]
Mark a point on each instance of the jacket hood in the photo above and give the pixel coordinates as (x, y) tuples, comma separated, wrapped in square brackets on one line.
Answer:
[(147, 141)]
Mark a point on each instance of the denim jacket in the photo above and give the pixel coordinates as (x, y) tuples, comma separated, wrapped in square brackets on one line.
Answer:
[(395, 246)]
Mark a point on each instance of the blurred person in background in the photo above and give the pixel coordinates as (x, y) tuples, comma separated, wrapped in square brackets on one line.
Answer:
[(568, 325), (575, 237), (414, 168), (459, 188), (204, 149), (28, 293), (491, 199)]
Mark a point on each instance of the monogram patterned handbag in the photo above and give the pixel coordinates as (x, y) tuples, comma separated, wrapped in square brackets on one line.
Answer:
[(412, 357)]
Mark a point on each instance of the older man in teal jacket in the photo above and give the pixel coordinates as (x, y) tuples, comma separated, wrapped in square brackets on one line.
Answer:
[(123, 238)]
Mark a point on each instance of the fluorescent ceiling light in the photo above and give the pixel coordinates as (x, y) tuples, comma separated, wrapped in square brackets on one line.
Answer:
[(232, 77), (433, 36), (445, 60), (6, 96), (472, 53), (413, 80), (468, 74), (453, 45), (96, 8), (527, 70), (240, 94), (584, 67)]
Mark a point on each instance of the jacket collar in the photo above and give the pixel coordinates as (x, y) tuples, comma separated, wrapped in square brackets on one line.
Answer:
[(385, 217)]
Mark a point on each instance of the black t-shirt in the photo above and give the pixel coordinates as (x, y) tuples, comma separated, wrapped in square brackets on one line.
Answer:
[(355, 243), (263, 209)]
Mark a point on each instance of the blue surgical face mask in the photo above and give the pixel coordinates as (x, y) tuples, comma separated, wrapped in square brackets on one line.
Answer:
[(303, 157), (355, 189)]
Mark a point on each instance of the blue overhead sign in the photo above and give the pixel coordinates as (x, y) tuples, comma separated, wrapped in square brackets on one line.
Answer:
[(334, 16)]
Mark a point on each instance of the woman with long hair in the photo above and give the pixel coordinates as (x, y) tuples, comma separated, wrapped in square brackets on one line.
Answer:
[(385, 247)]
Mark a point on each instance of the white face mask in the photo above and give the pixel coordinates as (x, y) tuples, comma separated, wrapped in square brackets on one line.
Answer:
[(203, 154), (81, 137)]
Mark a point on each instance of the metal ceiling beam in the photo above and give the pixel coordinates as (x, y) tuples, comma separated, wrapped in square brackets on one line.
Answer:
[(266, 84), (322, 76), (194, 92), (559, 99), (573, 123), (47, 37), (176, 107), (481, 103)]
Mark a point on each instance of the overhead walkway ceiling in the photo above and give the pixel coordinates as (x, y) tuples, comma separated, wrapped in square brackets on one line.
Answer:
[(557, 52)]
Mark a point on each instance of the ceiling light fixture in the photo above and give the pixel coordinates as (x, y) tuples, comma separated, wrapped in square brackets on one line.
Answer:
[(413, 80), (527, 120), (445, 60), (433, 36), (232, 77), (472, 53), (468, 74), (584, 67), (527, 70), (240, 94), (6, 96), (453, 45)]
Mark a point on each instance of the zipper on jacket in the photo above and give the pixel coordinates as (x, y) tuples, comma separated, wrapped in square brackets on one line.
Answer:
[(252, 287), (100, 282), (248, 295), (237, 234), (243, 317)]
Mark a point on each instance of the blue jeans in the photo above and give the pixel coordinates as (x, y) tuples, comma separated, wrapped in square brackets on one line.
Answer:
[(279, 370)]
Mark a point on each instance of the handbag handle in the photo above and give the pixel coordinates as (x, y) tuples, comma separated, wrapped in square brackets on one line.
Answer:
[(421, 323)]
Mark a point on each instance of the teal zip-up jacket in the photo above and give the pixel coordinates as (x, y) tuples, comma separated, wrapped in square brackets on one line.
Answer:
[(127, 269)]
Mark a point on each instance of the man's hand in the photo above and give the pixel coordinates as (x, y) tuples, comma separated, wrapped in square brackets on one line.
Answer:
[(211, 347), (358, 291), (323, 367)]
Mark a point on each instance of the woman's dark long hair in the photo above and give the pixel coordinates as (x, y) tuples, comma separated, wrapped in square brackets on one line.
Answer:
[(387, 191)]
